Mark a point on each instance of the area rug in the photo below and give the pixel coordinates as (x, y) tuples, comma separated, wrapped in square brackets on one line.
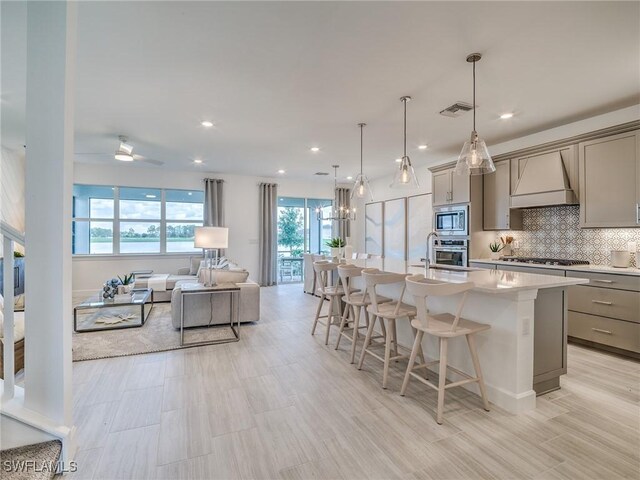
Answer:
[(31, 462), (156, 335)]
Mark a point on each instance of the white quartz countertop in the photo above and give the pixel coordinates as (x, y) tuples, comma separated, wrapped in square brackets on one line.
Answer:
[(486, 281), (575, 268)]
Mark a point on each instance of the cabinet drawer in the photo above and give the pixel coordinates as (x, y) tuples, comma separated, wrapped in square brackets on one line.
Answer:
[(607, 302), (608, 280), (607, 331)]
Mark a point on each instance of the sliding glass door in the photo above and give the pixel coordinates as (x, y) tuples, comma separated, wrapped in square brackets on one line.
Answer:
[(300, 231)]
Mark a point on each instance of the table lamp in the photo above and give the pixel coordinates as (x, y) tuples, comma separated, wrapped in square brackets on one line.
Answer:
[(211, 239)]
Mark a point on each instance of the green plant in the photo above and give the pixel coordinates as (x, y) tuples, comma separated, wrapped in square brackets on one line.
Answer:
[(290, 227), (335, 243), (496, 247), (18, 254), (127, 279)]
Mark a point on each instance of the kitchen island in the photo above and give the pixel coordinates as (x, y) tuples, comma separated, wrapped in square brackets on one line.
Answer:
[(524, 352)]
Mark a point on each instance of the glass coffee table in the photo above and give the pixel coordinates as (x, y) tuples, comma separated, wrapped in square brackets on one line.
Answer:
[(124, 311)]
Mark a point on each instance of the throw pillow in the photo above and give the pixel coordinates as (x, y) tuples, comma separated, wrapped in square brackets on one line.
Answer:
[(223, 276)]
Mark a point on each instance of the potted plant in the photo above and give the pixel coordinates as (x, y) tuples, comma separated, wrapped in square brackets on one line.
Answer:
[(127, 283), (495, 248), (335, 244)]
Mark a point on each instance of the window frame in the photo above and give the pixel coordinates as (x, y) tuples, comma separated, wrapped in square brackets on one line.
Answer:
[(116, 221)]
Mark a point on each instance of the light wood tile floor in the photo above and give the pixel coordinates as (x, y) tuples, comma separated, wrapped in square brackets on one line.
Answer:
[(281, 405)]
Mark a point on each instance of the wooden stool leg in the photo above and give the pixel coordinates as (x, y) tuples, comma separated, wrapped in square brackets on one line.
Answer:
[(356, 332), (421, 352), (367, 342), (443, 377), (412, 359), (382, 327), (387, 356), (345, 314), (394, 337), (476, 365), (330, 318), (319, 309)]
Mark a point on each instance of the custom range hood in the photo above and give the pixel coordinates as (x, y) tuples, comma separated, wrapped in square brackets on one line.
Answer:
[(543, 182)]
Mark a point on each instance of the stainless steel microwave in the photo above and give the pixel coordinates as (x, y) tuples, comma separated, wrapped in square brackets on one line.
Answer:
[(452, 220)]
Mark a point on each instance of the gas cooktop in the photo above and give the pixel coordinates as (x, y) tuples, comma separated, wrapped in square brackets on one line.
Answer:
[(546, 261)]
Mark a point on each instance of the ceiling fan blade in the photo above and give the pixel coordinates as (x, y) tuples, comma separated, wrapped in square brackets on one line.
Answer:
[(139, 158)]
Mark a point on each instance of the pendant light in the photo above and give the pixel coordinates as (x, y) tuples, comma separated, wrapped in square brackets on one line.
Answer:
[(339, 213), (361, 188), (474, 158), (405, 175)]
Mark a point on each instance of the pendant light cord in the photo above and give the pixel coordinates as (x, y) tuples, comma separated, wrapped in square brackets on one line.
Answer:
[(474, 95), (361, 127), (405, 126)]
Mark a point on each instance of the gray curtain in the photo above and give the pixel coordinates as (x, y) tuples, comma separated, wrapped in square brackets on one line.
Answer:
[(343, 199), (268, 240), (213, 203)]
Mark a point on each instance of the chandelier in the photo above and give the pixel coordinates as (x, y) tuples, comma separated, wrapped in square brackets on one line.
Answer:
[(339, 213)]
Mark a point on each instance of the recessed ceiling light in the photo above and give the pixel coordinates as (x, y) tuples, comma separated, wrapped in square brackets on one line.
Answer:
[(189, 193), (506, 116), (206, 123), (349, 178), (398, 160), (197, 161), (281, 171), (422, 147), (315, 149), (150, 196)]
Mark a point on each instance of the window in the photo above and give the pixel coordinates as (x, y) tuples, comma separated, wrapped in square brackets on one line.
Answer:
[(184, 212), (127, 220)]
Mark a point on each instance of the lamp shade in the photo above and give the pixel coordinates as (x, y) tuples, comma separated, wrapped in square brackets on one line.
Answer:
[(211, 237)]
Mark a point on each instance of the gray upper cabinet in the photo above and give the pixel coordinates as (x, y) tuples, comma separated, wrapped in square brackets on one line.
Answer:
[(448, 187), (498, 214), (610, 181)]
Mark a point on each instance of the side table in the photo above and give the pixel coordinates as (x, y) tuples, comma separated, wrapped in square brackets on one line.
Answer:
[(230, 289)]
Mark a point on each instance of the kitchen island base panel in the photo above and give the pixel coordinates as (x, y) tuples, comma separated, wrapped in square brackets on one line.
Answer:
[(505, 351), (547, 386)]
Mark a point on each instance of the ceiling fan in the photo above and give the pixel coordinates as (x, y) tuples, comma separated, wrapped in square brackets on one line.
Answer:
[(124, 153)]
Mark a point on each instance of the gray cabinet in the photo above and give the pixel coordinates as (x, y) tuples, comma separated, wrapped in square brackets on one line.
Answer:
[(606, 311), (537, 270), (610, 181), (498, 214), (448, 187)]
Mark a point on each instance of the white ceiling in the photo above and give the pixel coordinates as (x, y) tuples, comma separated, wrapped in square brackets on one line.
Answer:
[(279, 77)]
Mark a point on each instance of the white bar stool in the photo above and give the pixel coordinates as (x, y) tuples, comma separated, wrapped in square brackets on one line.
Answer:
[(355, 303), (323, 271), (386, 313), (444, 326)]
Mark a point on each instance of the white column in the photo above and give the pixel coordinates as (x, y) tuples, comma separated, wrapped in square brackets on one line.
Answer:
[(51, 57)]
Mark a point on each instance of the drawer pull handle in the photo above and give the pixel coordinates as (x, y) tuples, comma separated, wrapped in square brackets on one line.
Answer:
[(603, 281), (600, 302), (599, 330)]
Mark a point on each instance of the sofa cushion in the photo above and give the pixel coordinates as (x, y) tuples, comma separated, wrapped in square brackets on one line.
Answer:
[(194, 265), (224, 276)]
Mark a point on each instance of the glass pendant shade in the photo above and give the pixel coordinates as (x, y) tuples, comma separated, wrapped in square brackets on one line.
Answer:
[(405, 175), (474, 158), (361, 188)]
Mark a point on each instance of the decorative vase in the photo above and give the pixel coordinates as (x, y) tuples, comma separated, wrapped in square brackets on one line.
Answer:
[(335, 252), (506, 251), (496, 255)]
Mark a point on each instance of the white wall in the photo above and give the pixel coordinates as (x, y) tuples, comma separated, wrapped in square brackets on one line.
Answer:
[(382, 191), (12, 189), (241, 215)]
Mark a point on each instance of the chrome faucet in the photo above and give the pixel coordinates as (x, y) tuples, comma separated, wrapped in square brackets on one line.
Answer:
[(427, 261)]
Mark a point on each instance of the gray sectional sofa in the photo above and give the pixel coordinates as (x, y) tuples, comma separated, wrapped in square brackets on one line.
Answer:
[(201, 310)]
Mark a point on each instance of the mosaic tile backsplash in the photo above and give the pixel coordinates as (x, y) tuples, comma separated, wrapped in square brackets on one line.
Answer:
[(555, 232)]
